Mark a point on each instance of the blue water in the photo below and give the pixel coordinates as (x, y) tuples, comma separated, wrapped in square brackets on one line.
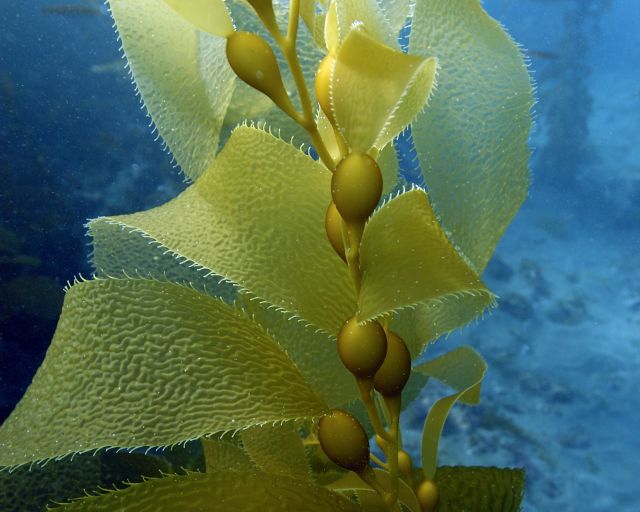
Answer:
[(560, 398)]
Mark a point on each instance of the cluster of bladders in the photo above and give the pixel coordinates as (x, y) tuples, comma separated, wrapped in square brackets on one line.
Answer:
[(378, 358)]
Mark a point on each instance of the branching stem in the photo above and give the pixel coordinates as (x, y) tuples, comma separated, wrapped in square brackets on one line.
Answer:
[(288, 46)]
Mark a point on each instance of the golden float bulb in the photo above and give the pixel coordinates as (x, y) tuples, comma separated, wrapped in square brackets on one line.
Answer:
[(344, 441), (362, 347), (392, 376), (333, 226), (428, 495), (253, 60), (404, 463), (323, 85), (356, 187)]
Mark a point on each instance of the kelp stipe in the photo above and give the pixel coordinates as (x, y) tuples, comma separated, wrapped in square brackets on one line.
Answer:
[(270, 313)]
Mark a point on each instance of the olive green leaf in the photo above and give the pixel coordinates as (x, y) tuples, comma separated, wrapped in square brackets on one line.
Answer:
[(277, 450), (352, 482), (225, 491), (143, 363), (259, 223), (463, 370), (376, 91), (479, 488), (122, 253), (388, 163), (182, 75), (472, 140), (208, 15), (408, 261), (220, 455), (30, 489)]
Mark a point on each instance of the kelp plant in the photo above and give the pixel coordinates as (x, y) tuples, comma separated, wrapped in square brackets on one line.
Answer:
[(271, 312)]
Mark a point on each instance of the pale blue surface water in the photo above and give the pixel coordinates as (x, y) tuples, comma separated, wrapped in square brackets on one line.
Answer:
[(560, 398)]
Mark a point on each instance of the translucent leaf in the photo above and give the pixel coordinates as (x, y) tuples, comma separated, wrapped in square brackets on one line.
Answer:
[(472, 140), (376, 90), (277, 450), (480, 488), (369, 14), (142, 363), (331, 30), (397, 12), (407, 261), (388, 163), (314, 20), (182, 75), (314, 353), (256, 218), (208, 15), (122, 253), (220, 455), (463, 370), (352, 482), (226, 491)]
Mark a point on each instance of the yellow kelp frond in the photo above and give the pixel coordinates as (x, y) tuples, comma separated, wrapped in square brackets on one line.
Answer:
[(225, 454), (208, 15), (223, 491), (259, 223), (472, 140), (463, 370), (365, 12), (119, 252), (314, 17), (397, 13), (312, 351), (277, 450), (376, 91), (182, 75), (142, 363), (425, 322), (350, 482), (405, 250)]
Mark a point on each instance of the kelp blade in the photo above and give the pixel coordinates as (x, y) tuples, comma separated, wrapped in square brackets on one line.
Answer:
[(183, 77), (461, 369), (277, 450), (141, 363), (472, 138), (223, 491), (377, 90), (407, 262), (480, 489)]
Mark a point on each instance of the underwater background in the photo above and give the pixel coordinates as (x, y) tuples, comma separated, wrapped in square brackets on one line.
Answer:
[(560, 398)]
